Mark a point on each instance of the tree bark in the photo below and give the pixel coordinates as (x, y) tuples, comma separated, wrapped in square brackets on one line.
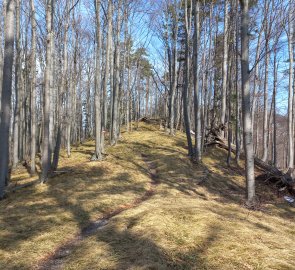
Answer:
[(198, 135), (46, 153), (225, 64), (33, 89), (97, 104), (265, 110), (247, 131), (17, 86), (6, 95), (107, 70), (291, 93), (186, 83), (116, 103)]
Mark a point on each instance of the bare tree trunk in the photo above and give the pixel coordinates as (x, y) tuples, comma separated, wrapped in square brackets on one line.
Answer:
[(174, 72), (186, 83), (17, 86), (265, 111), (147, 95), (238, 122), (116, 104), (229, 137), (225, 63), (3, 12), (128, 103), (247, 131), (256, 75), (290, 95), (33, 89), (46, 153), (97, 104), (198, 135), (6, 95), (107, 70)]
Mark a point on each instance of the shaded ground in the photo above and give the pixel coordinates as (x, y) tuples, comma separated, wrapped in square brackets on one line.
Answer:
[(194, 220)]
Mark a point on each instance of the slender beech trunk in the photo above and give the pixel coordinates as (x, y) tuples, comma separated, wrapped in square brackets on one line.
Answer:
[(225, 64), (247, 131), (256, 75), (238, 122), (46, 153), (290, 95), (18, 86), (116, 103), (198, 135), (3, 12), (107, 70), (186, 83), (174, 72), (98, 122), (229, 137), (275, 76), (6, 95), (33, 89), (265, 110)]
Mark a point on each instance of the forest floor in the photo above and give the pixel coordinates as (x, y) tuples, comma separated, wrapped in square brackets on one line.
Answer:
[(145, 206)]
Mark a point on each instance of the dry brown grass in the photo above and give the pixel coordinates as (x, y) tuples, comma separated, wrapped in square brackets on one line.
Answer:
[(196, 219), (36, 220)]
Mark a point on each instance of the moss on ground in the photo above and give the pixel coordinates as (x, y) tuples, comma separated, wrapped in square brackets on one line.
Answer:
[(195, 220)]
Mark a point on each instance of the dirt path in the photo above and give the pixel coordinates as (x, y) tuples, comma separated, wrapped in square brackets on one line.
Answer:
[(57, 258)]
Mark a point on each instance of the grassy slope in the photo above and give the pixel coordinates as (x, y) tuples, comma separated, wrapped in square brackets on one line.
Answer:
[(185, 225)]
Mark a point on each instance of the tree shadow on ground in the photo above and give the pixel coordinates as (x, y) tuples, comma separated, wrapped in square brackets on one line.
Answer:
[(135, 251), (66, 203)]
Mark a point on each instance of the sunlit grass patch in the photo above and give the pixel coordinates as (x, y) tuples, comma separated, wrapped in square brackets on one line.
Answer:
[(195, 219), (188, 224), (37, 219)]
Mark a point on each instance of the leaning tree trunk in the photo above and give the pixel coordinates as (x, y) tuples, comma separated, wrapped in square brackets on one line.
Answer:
[(6, 95), (247, 131)]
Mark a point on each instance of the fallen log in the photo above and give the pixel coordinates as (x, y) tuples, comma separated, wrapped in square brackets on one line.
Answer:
[(271, 174)]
